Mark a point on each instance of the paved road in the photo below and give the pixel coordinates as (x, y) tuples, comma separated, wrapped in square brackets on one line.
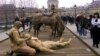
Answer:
[(77, 48)]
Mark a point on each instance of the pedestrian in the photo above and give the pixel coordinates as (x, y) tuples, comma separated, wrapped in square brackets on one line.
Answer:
[(77, 20), (23, 22), (16, 19), (96, 29), (82, 25), (89, 25)]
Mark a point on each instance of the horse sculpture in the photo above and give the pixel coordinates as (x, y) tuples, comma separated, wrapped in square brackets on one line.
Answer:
[(52, 20)]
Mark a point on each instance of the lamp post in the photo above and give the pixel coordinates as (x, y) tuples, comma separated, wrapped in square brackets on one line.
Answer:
[(75, 7), (23, 11)]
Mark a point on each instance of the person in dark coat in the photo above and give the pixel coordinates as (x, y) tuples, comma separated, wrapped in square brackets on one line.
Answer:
[(83, 27), (77, 20), (81, 22), (96, 29), (23, 22), (89, 25), (16, 19), (64, 19)]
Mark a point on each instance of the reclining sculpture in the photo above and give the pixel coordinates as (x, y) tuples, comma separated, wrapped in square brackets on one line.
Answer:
[(46, 46)]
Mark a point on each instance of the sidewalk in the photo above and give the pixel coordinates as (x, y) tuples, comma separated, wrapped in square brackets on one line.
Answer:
[(87, 40), (3, 35)]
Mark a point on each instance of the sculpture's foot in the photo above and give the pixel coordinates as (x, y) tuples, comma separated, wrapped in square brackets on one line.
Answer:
[(68, 42), (61, 40)]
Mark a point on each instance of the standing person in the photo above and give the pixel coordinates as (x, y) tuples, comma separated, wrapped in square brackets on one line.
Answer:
[(27, 21), (77, 20), (82, 25), (16, 19), (96, 29), (89, 25), (23, 22), (64, 19)]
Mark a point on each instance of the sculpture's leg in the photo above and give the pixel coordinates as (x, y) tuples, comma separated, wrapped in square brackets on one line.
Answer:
[(25, 51), (65, 43)]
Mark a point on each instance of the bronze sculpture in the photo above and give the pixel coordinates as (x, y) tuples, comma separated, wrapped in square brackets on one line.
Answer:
[(46, 46), (18, 44)]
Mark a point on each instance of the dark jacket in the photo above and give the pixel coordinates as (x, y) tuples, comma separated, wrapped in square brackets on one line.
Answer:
[(83, 22), (16, 19)]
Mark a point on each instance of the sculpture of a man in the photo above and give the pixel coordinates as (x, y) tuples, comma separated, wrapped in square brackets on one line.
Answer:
[(18, 44), (53, 9)]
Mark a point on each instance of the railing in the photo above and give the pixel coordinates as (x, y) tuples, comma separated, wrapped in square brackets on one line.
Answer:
[(4, 25)]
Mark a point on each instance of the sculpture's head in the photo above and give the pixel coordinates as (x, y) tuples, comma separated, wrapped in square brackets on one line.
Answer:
[(18, 24)]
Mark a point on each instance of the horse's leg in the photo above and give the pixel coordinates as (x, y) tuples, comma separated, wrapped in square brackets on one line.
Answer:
[(34, 31), (38, 29), (30, 25), (57, 31), (53, 32), (30, 28), (51, 35)]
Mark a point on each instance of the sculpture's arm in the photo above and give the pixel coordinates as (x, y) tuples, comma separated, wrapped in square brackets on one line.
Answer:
[(17, 37)]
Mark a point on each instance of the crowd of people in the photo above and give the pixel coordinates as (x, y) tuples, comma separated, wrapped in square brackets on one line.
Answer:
[(84, 24), (91, 23), (24, 20)]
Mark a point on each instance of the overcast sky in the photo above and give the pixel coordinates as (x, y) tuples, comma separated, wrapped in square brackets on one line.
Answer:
[(65, 3), (62, 3)]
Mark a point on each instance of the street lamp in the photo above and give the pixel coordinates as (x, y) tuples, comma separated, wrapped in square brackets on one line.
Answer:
[(75, 7), (23, 11)]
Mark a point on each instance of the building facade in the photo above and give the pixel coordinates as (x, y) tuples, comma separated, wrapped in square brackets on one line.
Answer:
[(87, 10), (52, 2)]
